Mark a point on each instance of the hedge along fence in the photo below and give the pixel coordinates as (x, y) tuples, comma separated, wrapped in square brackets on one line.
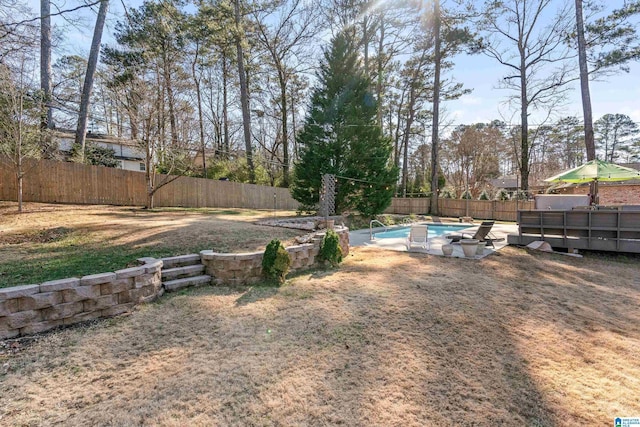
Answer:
[(484, 209), (50, 181), (31, 309)]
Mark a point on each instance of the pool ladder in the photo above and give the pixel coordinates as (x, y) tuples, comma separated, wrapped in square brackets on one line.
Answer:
[(374, 221)]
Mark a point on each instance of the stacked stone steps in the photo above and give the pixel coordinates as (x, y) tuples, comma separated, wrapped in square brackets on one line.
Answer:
[(183, 271)]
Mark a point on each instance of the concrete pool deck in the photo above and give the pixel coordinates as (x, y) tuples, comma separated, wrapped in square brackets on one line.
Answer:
[(500, 231)]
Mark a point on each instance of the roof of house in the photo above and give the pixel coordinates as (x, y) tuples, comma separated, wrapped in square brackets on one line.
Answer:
[(109, 139)]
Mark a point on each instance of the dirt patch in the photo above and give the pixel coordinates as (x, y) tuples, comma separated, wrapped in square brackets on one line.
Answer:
[(40, 236), (390, 338)]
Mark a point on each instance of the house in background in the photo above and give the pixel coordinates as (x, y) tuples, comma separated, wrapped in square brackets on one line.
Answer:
[(129, 155)]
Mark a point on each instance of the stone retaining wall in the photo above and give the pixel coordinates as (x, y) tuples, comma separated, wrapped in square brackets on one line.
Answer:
[(30, 309), (246, 268)]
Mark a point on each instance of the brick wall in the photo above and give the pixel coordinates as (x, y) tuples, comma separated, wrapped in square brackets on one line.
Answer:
[(246, 268), (30, 309), (612, 194)]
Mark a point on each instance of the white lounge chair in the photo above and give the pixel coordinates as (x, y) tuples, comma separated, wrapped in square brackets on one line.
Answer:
[(418, 235)]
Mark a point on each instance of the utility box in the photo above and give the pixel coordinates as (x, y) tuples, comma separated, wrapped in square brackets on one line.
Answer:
[(560, 201)]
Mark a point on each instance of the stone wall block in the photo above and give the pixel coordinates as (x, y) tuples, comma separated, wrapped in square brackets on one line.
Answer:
[(81, 293), (18, 291), (144, 280), (23, 318), (122, 285), (39, 301), (247, 256), (233, 265), (145, 260), (106, 289), (62, 311), (99, 303), (147, 291), (153, 267), (117, 309), (59, 285), (97, 279), (226, 274), (129, 272), (9, 306), (6, 331), (124, 297), (218, 264)]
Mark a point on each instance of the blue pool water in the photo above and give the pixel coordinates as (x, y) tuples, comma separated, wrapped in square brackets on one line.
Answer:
[(434, 231)]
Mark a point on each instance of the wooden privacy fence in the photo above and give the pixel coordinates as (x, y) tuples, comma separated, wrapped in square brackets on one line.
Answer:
[(50, 181), (482, 209)]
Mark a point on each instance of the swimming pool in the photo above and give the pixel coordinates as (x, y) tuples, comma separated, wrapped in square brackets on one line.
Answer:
[(435, 230)]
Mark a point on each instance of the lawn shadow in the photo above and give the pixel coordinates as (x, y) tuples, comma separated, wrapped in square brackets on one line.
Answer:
[(256, 293)]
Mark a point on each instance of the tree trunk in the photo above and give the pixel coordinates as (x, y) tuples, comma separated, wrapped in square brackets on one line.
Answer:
[(365, 42), (172, 113), (435, 142), (85, 98), (293, 129), (200, 118), (225, 110), (524, 125), (19, 171), (148, 173), (589, 139), (45, 63), (285, 131), (380, 69), (244, 96), (407, 134)]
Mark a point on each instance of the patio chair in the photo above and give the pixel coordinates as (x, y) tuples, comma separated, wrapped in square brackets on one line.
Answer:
[(418, 235), (482, 234)]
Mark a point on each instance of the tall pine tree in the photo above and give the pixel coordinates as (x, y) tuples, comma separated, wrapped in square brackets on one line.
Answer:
[(341, 137)]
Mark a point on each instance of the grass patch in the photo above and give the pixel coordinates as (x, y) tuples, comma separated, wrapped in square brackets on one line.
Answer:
[(58, 241)]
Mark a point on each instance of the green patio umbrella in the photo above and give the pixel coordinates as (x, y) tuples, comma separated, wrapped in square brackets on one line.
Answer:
[(595, 171)]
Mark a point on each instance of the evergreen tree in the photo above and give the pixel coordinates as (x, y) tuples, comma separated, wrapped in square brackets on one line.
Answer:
[(341, 137)]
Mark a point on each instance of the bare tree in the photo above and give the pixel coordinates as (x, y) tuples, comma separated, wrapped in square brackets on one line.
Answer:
[(45, 62), (85, 98), (584, 84), (286, 43), (19, 114), (528, 39), (435, 140), (244, 92)]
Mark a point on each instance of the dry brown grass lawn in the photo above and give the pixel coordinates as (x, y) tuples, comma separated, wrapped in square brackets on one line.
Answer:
[(388, 339)]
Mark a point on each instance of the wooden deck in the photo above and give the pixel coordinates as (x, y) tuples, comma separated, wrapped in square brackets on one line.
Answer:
[(599, 230)]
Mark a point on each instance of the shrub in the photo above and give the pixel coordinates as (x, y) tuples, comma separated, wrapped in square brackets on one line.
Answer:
[(520, 195), (501, 195), (276, 261), (330, 249), (466, 195), (448, 193), (484, 195)]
